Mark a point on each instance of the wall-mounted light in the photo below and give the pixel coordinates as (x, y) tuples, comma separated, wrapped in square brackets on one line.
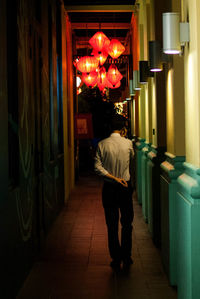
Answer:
[(175, 34), (155, 56), (144, 71)]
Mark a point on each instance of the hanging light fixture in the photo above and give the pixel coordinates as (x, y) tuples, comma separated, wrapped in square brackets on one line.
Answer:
[(101, 78), (115, 48), (109, 84), (99, 41), (114, 75), (90, 79), (87, 64), (100, 57)]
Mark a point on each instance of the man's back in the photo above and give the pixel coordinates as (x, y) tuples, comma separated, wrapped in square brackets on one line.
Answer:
[(113, 156)]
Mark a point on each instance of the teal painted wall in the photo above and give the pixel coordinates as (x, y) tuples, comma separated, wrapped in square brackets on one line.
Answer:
[(171, 168), (139, 146), (150, 166), (144, 182), (188, 240)]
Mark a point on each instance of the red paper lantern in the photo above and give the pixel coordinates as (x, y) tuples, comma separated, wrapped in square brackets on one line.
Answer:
[(109, 84), (100, 57), (87, 64), (89, 79), (114, 75), (115, 48), (101, 79), (99, 41)]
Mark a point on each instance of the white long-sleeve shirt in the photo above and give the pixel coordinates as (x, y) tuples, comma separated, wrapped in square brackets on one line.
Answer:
[(113, 156)]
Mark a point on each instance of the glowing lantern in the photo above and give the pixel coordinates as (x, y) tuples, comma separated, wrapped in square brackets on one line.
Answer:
[(101, 79), (114, 75), (90, 79), (115, 48), (87, 64), (100, 57), (99, 41), (109, 84)]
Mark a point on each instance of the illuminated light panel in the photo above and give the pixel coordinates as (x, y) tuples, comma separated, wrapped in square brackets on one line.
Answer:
[(156, 70), (172, 52)]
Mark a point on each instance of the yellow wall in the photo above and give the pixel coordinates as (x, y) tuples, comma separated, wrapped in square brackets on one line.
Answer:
[(147, 113), (175, 104), (192, 83), (142, 120), (143, 56), (146, 29), (154, 112)]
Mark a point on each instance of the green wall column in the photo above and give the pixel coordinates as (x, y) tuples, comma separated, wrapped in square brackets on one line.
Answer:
[(188, 205), (172, 167), (144, 159), (139, 146)]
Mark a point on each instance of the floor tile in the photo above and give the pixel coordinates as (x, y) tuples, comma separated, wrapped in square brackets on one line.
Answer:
[(75, 261)]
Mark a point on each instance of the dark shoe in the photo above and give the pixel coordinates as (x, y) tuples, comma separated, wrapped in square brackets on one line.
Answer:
[(115, 264)]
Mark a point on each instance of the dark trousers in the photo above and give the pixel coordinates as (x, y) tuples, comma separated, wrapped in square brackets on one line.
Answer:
[(117, 198)]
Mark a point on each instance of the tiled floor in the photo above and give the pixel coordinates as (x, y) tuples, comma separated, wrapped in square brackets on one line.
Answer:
[(75, 263)]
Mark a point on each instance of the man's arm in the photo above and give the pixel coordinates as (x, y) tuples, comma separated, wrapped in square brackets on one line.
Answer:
[(100, 170)]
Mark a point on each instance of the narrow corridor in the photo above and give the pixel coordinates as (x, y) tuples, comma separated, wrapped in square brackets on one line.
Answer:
[(75, 262)]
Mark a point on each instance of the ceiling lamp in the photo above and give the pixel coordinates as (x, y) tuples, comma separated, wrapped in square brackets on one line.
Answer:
[(115, 48), (100, 57), (102, 75), (101, 78), (87, 64), (90, 79), (99, 41), (114, 75), (109, 84)]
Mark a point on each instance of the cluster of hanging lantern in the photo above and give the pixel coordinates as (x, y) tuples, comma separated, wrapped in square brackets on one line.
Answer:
[(91, 67)]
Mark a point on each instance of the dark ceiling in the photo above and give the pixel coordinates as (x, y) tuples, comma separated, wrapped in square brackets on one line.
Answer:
[(87, 17), (101, 2), (100, 17), (116, 13)]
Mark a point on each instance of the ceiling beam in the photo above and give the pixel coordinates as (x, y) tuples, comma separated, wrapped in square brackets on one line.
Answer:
[(99, 8), (103, 26)]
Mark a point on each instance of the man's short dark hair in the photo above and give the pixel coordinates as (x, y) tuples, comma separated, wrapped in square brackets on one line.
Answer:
[(117, 122)]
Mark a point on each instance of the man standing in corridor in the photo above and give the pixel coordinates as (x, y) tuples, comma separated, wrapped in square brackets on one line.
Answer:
[(113, 159)]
